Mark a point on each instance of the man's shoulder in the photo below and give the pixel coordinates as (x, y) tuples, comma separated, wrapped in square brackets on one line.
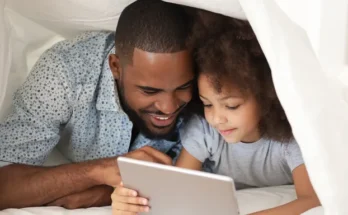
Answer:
[(86, 41), (78, 60), (89, 48)]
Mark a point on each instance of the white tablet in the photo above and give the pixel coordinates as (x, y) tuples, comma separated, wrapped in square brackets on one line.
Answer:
[(176, 191)]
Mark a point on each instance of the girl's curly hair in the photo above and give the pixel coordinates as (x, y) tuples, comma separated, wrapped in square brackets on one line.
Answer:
[(227, 50)]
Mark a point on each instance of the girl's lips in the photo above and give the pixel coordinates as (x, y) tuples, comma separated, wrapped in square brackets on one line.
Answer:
[(226, 132)]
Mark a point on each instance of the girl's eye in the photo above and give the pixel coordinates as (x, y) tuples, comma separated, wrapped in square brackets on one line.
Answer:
[(185, 87), (206, 106), (233, 107)]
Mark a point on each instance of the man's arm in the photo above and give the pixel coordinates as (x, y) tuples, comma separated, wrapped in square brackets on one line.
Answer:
[(97, 196), (24, 185), (27, 136)]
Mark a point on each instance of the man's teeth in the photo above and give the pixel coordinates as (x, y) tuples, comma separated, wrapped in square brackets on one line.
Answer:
[(161, 118)]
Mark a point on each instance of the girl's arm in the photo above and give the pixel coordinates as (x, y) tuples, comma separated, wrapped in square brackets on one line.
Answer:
[(187, 161), (306, 196)]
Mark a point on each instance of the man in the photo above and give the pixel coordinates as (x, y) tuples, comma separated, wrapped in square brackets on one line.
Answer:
[(106, 105)]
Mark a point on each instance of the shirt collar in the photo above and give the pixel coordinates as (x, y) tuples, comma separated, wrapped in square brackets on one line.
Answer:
[(141, 140)]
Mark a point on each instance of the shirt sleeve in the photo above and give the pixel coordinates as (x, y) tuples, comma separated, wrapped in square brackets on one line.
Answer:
[(40, 107), (292, 155), (2, 164), (199, 138)]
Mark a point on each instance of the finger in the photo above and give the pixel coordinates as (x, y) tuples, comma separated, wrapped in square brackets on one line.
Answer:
[(57, 203), (129, 207), (158, 155), (133, 200), (119, 212), (141, 155), (122, 191)]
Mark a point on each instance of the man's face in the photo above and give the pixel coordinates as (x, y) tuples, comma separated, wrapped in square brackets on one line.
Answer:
[(154, 89)]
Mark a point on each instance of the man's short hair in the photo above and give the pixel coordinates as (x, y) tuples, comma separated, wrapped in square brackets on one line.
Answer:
[(152, 26)]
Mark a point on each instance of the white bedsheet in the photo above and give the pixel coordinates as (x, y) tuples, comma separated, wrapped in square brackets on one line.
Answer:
[(249, 200)]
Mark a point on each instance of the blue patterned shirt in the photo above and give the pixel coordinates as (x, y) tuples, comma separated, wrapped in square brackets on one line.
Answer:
[(69, 100)]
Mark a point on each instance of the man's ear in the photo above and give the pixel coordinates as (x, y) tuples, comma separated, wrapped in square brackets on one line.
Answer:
[(115, 66)]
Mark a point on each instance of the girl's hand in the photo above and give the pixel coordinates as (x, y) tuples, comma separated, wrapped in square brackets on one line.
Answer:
[(127, 202)]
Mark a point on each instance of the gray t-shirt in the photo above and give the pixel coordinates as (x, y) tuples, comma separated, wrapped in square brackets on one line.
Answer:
[(260, 164)]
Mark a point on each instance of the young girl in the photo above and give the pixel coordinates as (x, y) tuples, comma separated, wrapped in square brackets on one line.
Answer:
[(245, 133)]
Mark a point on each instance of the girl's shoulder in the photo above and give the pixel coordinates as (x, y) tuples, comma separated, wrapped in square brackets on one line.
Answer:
[(197, 124), (289, 146), (198, 127), (199, 138), (291, 153)]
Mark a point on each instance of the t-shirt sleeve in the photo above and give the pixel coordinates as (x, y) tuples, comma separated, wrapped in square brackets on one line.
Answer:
[(199, 138), (292, 155), (41, 106)]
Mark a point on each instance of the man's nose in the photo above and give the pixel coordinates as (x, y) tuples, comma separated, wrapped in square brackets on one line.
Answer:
[(168, 103)]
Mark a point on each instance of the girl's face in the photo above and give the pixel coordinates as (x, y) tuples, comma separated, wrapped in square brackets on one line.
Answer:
[(233, 114)]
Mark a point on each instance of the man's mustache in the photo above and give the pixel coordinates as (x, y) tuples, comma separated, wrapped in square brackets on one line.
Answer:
[(160, 113)]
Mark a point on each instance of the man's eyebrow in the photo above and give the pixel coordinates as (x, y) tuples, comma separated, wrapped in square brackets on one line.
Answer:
[(149, 88)]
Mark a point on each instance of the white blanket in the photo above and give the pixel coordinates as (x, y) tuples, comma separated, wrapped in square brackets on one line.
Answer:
[(305, 42), (249, 200)]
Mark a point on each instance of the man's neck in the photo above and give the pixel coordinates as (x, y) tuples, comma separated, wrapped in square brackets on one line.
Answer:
[(135, 133)]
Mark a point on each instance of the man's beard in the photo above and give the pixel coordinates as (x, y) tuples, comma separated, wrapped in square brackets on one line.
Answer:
[(141, 125)]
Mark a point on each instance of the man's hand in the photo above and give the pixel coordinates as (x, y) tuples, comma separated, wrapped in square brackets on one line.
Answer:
[(101, 195), (147, 153), (94, 197), (110, 173)]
